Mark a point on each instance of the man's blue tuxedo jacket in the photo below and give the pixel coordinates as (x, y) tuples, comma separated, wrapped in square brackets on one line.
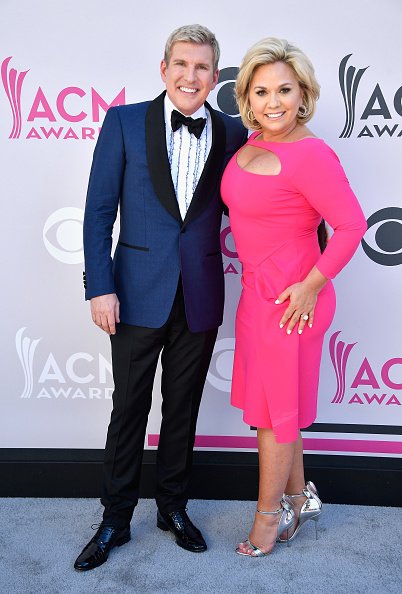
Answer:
[(130, 171)]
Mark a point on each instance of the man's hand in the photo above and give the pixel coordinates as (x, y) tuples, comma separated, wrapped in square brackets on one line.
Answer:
[(105, 312)]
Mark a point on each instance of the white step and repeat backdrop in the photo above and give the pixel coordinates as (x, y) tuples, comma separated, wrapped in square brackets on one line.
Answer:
[(62, 64)]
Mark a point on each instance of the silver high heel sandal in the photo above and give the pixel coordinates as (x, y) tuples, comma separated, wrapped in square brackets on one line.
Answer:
[(286, 522), (310, 510)]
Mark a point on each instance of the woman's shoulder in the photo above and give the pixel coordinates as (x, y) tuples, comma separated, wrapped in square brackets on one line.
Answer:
[(316, 149)]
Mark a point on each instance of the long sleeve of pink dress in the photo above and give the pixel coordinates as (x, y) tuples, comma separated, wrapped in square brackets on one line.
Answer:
[(274, 220)]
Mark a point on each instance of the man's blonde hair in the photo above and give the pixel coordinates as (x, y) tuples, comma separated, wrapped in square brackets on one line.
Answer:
[(193, 34)]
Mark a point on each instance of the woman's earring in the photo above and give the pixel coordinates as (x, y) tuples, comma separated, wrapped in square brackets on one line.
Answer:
[(250, 116), (303, 111)]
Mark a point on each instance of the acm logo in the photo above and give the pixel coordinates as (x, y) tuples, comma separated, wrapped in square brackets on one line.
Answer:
[(70, 106), (377, 106), (79, 376), (369, 386)]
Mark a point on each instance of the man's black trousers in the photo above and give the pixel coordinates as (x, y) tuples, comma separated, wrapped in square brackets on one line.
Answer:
[(185, 360)]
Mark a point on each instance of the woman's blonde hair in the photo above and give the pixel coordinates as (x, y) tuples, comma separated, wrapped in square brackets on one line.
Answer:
[(269, 51)]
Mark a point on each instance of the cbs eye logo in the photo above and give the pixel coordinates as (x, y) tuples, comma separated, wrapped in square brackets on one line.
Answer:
[(225, 96), (385, 233), (220, 369), (62, 235)]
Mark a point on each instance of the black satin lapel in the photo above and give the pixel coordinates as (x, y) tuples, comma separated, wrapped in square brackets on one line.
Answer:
[(158, 163), (211, 174)]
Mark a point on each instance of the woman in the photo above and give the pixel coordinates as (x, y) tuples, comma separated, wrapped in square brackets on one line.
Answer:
[(278, 187)]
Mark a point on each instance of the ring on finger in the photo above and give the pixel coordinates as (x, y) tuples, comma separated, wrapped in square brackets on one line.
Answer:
[(304, 317)]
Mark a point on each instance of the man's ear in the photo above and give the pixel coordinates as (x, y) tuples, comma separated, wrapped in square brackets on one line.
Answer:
[(215, 79), (162, 69)]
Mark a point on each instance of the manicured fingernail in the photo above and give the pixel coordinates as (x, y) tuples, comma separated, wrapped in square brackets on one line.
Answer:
[(310, 325), (280, 325), (300, 331), (288, 332), (277, 301)]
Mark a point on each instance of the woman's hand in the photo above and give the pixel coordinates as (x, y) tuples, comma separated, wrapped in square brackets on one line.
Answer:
[(302, 301)]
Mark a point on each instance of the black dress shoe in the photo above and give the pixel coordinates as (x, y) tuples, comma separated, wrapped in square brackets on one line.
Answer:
[(187, 535), (97, 550)]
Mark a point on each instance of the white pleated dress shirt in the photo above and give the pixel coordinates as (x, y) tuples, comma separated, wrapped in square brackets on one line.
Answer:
[(187, 154)]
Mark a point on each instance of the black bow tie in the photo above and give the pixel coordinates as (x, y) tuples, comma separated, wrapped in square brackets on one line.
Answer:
[(194, 126)]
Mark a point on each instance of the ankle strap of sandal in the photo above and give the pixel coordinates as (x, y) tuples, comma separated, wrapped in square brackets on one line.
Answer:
[(302, 494), (270, 513)]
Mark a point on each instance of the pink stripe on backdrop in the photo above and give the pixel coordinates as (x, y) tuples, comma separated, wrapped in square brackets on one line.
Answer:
[(309, 443), (353, 445)]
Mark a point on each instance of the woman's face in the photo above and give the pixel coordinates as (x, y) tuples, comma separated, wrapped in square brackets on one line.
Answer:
[(275, 97)]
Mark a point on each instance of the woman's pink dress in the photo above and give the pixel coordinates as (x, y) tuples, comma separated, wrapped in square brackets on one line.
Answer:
[(274, 220)]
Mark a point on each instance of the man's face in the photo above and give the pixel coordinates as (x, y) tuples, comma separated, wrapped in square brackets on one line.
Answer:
[(189, 76)]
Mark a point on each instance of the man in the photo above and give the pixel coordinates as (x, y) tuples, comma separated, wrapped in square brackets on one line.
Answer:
[(161, 162)]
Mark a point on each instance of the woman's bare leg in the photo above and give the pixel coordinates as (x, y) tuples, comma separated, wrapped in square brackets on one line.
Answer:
[(296, 481), (275, 464)]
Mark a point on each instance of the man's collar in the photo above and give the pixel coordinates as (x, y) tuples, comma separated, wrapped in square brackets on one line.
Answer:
[(169, 107)]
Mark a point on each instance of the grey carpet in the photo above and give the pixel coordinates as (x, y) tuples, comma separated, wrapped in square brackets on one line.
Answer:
[(359, 551)]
